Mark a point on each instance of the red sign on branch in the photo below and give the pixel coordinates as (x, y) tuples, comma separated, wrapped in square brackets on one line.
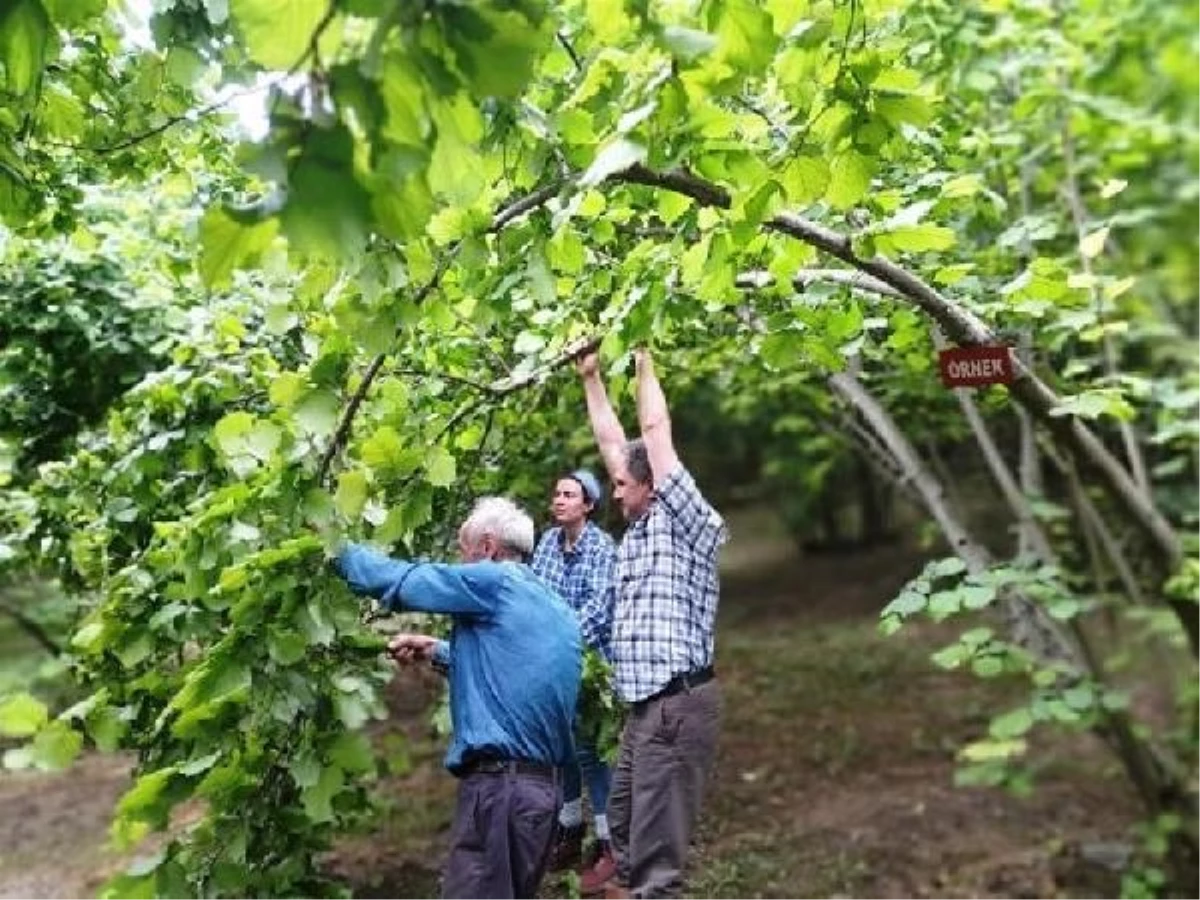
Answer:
[(976, 366)]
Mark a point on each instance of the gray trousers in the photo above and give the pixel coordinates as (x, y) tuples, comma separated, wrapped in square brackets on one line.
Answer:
[(503, 832), (667, 750)]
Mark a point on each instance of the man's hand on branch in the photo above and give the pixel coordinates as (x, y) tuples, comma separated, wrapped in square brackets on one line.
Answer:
[(587, 364), (642, 360), (410, 648)]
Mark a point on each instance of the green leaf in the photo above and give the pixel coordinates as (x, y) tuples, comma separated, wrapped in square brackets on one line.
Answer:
[(1012, 724), (87, 637), (263, 440), (318, 798), (327, 211), (946, 567), (963, 186), (318, 413), (286, 647), (907, 603), (565, 252), (916, 239), (746, 33), (528, 343), (671, 206), (607, 20), (976, 597), (454, 172), (984, 751), (287, 388), (306, 770), (352, 752), (1095, 403), (439, 467), (22, 715), (385, 453), (24, 40), (277, 33), (1092, 245), (849, 178), (226, 245), (144, 801), (351, 709), (805, 179), (55, 747), (70, 13), (131, 887), (616, 156), (314, 624), (107, 727), (351, 494), (1081, 697), (231, 432), (495, 49)]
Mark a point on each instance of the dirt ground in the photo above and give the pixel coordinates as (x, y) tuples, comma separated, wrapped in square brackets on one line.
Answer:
[(834, 775)]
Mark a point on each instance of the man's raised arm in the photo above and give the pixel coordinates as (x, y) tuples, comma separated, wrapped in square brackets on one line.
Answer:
[(654, 419), (610, 436)]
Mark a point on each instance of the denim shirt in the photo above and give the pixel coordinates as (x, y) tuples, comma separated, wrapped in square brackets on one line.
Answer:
[(513, 658)]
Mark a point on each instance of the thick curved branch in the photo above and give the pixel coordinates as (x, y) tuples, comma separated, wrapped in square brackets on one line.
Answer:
[(966, 329)]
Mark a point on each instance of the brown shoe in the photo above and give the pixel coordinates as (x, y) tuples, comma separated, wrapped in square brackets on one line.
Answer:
[(600, 869), (568, 848)]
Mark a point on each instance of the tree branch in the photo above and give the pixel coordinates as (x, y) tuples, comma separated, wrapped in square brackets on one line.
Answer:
[(191, 116), (805, 278), (32, 628), (522, 205), (504, 216), (1108, 352), (566, 44), (342, 432), (444, 376)]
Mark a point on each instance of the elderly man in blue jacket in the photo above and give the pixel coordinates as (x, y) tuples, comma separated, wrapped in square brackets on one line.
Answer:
[(513, 661)]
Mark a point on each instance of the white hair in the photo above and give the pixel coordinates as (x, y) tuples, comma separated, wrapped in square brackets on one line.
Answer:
[(499, 517)]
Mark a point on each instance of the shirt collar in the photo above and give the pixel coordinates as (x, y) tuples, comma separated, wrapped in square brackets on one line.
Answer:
[(585, 536)]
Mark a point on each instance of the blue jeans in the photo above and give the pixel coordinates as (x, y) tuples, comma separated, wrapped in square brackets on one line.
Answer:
[(599, 779)]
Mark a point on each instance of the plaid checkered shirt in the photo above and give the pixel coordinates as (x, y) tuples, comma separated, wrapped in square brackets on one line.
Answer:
[(583, 576), (666, 583)]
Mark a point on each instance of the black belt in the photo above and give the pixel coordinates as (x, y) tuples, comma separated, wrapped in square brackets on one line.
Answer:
[(685, 682), (486, 765)]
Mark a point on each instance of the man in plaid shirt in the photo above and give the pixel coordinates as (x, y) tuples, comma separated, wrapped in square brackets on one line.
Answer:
[(662, 642), (576, 558)]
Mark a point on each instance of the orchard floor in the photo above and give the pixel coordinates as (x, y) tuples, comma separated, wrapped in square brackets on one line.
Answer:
[(834, 774)]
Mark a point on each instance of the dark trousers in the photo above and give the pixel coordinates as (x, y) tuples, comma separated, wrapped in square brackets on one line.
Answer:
[(667, 749), (503, 833)]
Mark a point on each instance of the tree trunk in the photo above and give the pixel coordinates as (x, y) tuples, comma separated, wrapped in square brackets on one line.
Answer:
[(1160, 786)]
